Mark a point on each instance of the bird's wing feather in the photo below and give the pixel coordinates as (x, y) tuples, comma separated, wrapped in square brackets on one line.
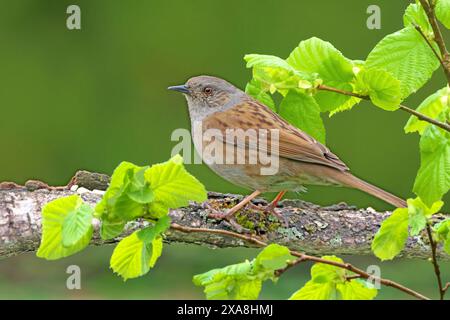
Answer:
[(294, 144)]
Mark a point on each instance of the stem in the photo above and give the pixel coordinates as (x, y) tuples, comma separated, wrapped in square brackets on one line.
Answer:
[(434, 260), (419, 115), (429, 10), (419, 29), (304, 257)]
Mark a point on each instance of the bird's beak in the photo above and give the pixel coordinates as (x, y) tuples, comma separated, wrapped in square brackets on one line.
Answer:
[(182, 88)]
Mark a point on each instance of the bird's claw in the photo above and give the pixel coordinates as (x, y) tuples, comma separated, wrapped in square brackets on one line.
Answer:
[(270, 209), (226, 218)]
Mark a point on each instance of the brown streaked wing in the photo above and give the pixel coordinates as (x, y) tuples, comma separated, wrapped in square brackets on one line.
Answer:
[(293, 143)]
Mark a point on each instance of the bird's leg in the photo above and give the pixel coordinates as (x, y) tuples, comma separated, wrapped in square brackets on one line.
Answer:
[(229, 215), (271, 207), (231, 212)]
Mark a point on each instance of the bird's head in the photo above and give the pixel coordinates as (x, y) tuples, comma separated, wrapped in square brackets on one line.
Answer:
[(206, 95)]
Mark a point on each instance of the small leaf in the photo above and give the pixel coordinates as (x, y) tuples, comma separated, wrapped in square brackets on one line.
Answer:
[(321, 272), (254, 88), (316, 291), (330, 282), (231, 282), (381, 86), (77, 225), (443, 233), (391, 237), (54, 214), (355, 290), (138, 190), (273, 257), (137, 253), (442, 10), (115, 188), (348, 105), (415, 15), (302, 111), (435, 106), (433, 178), (172, 186), (315, 56), (406, 56), (111, 229), (419, 212)]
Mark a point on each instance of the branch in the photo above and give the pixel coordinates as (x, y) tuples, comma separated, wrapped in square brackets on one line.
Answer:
[(434, 260), (337, 229), (419, 115), (429, 10)]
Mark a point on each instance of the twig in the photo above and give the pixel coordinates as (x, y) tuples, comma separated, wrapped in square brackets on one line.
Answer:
[(355, 276), (305, 257), (419, 115), (419, 29), (434, 260), (446, 287), (429, 10), (279, 272)]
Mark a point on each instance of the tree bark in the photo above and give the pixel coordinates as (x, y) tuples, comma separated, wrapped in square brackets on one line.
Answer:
[(338, 229)]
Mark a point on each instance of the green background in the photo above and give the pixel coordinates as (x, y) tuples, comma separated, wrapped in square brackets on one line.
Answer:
[(90, 98)]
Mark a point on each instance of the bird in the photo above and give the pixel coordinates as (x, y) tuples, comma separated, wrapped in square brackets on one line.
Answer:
[(216, 104)]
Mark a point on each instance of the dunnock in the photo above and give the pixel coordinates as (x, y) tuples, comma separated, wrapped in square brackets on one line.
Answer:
[(218, 105)]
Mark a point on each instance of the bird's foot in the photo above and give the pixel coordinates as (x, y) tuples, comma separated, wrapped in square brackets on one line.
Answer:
[(270, 209), (228, 217)]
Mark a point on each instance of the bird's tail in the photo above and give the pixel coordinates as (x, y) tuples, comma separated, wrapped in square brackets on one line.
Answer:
[(354, 182)]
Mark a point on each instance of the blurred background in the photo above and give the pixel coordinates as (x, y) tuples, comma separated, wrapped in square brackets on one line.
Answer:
[(91, 98)]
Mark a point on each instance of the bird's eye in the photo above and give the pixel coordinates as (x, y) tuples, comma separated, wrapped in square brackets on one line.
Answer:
[(207, 90)]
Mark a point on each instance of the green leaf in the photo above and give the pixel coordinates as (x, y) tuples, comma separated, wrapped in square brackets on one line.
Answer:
[(244, 280), (262, 60), (348, 105), (123, 208), (355, 290), (391, 237), (442, 10), (321, 272), (111, 229), (407, 56), (137, 253), (231, 282), (335, 102), (302, 111), (330, 282), (77, 225), (115, 189), (172, 186), (436, 106), (54, 214), (315, 56), (419, 212), (316, 291), (255, 89), (138, 189), (415, 15), (442, 230), (273, 257), (274, 74), (382, 88), (433, 178)]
